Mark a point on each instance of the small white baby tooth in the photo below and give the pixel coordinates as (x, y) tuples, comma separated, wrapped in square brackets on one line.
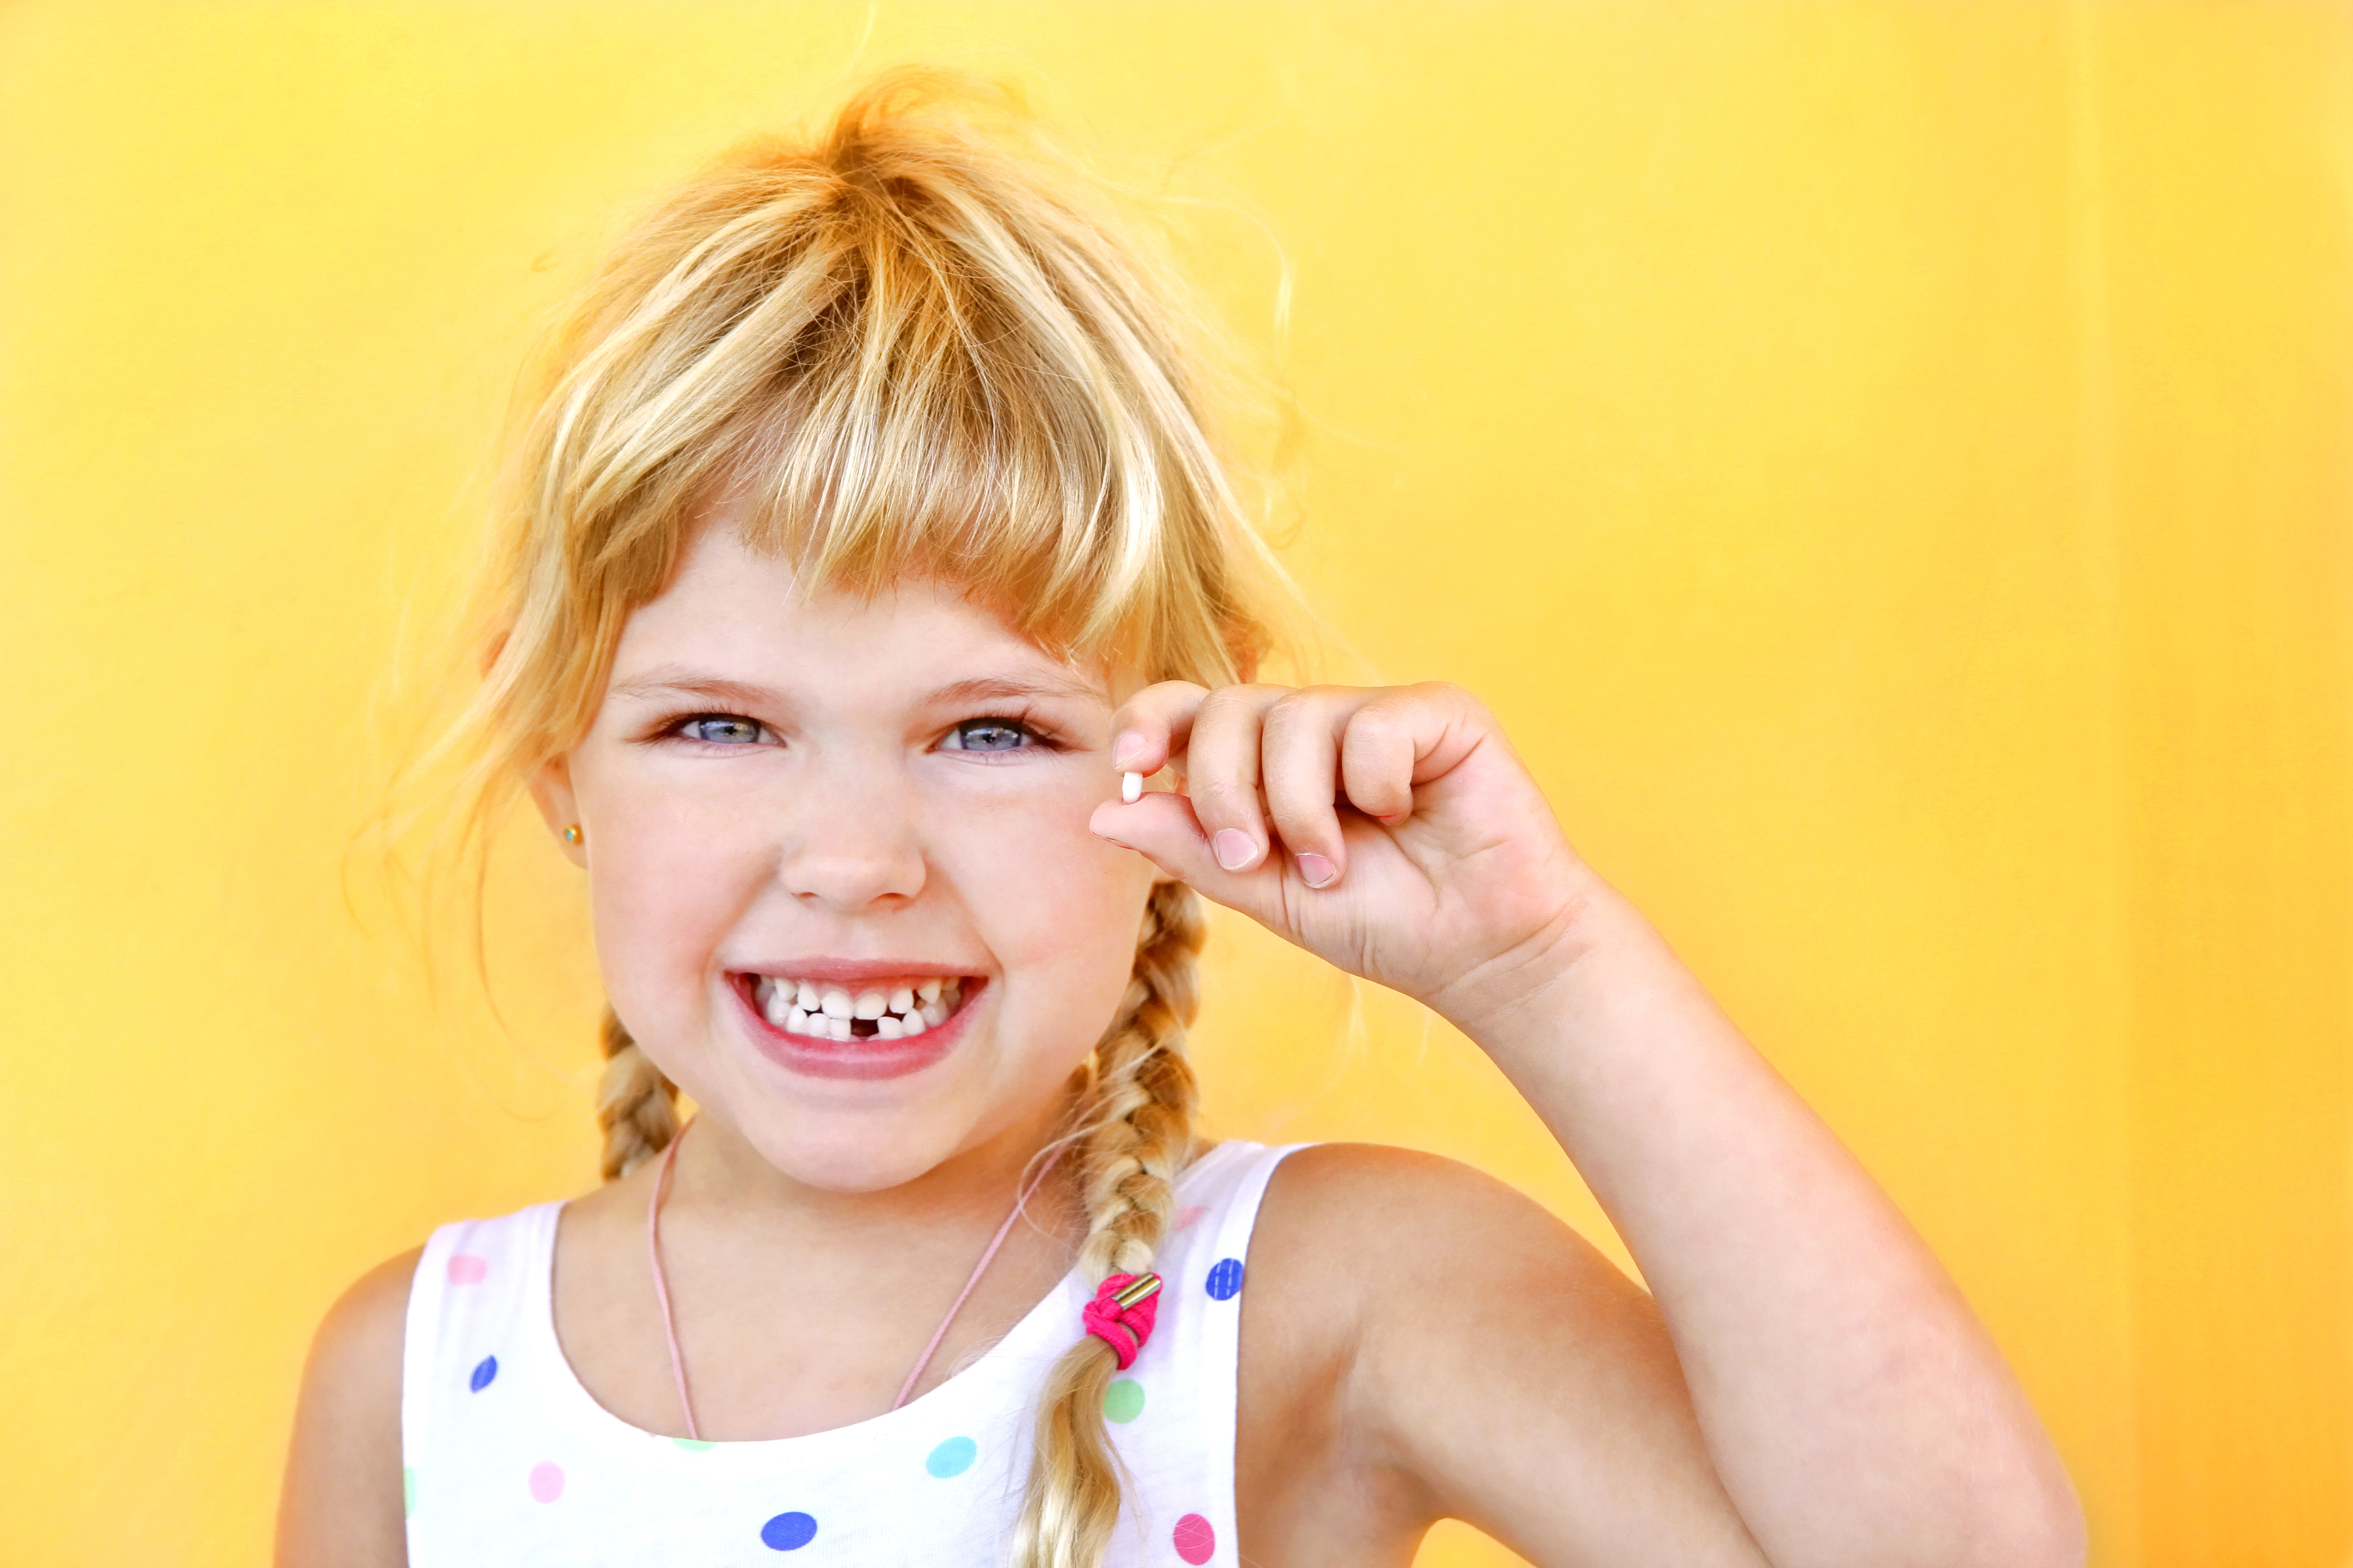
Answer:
[(809, 1000), (886, 1027), (869, 1004), (836, 1003), (838, 1028), (935, 1013), (901, 999), (913, 1025), (795, 1020), (929, 991), (1131, 787)]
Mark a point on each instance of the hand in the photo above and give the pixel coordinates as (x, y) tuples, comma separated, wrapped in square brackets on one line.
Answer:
[(1408, 846)]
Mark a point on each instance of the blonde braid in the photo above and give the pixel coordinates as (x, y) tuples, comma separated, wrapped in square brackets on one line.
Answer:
[(1138, 1135), (636, 1105)]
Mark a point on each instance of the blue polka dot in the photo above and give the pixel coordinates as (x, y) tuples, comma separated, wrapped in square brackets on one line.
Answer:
[(484, 1370), (788, 1532), (1224, 1280), (952, 1457)]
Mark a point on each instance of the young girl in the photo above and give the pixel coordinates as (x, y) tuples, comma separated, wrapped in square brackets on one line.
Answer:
[(871, 552)]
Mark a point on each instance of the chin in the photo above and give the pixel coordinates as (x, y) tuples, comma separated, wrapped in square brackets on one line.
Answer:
[(855, 1135), (865, 1158)]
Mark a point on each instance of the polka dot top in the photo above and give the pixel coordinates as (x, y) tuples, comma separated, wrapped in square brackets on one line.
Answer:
[(508, 1459)]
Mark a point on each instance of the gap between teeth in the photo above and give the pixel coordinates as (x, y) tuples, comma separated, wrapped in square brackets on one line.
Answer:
[(832, 1012)]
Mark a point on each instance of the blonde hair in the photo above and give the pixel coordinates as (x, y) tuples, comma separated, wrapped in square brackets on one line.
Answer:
[(917, 341)]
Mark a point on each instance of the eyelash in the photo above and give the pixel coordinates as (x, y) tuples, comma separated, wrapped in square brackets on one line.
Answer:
[(670, 730), (1040, 738)]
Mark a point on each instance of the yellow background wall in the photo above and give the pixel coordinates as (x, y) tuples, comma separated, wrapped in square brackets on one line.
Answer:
[(1888, 463)]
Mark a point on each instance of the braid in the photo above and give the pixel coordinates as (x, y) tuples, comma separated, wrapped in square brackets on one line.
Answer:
[(636, 1105), (1137, 1136)]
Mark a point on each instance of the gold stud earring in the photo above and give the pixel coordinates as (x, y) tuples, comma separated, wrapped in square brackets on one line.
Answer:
[(572, 834)]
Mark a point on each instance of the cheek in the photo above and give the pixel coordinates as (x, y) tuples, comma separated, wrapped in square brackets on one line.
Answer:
[(664, 889), (1061, 906)]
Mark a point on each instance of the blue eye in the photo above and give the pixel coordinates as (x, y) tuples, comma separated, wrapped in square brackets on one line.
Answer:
[(718, 729), (988, 735)]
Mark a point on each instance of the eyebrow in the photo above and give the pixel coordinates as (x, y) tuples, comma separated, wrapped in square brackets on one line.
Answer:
[(1005, 689), (672, 680), (675, 680)]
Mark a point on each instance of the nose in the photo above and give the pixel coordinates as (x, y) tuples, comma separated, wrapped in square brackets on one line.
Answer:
[(850, 842)]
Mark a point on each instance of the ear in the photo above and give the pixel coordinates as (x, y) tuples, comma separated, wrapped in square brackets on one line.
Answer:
[(551, 791)]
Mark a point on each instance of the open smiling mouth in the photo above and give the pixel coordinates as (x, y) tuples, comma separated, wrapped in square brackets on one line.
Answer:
[(818, 1010)]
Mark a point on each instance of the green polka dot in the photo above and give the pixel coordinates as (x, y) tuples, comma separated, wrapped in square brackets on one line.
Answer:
[(1124, 1400), (407, 1491), (695, 1445)]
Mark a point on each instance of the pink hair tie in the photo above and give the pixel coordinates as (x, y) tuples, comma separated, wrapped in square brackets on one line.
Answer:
[(1121, 1312)]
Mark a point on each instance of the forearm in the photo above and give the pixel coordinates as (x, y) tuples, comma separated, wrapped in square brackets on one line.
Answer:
[(1855, 1410)]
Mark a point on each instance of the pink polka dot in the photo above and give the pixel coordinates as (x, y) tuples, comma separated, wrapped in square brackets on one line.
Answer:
[(1194, 1538), (1189, 1216), (547, 1485), (466, 1268)]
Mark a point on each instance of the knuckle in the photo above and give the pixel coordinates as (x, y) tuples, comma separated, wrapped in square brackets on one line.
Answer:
[(1376, 723), (1292, 713), (1215, 708), (1240, 695), (1225, 798)]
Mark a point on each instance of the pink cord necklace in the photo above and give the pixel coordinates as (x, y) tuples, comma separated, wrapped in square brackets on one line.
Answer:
[(670, 1321)]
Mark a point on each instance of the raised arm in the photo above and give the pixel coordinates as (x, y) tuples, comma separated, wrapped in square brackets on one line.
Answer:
[(1847, 1403)]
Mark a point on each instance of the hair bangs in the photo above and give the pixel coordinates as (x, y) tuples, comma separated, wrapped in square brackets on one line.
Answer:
[(934, 422)]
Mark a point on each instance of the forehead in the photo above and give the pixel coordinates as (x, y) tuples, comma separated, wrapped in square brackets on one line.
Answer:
[(732, 613)]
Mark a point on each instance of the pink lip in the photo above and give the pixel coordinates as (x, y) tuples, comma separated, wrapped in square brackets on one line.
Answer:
[(869, 1058)]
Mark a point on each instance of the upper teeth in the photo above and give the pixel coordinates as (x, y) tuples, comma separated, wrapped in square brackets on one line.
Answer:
[(831, 1012)]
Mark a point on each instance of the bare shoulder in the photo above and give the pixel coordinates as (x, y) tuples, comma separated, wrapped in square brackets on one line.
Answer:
[(343, 1499), (1430, 1342), (371, 1316), (1380, 1221), (1395, 1244), (1359, 1245)]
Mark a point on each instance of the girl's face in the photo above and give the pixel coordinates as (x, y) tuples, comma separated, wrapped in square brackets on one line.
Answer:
[(865, 806)]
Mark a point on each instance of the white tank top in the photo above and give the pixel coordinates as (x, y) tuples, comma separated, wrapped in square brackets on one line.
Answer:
[(507, 1460)]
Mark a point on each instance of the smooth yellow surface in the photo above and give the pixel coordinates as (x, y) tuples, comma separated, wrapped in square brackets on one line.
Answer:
[(1888, 464)]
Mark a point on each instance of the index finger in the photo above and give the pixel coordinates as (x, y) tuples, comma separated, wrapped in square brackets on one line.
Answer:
[(1154, 725)]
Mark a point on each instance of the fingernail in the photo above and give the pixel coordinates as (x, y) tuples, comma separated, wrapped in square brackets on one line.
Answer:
[(1126, 749), (1233, 849), (1315, 870)]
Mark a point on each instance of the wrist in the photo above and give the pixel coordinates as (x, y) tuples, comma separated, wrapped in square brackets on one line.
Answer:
[(1496, 1001)]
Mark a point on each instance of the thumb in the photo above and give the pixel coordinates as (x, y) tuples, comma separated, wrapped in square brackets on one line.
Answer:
[(1163, 829)]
